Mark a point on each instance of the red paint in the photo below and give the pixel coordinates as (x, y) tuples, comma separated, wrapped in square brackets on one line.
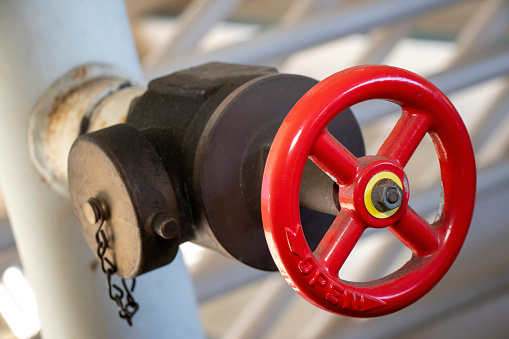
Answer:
[(303, 135)]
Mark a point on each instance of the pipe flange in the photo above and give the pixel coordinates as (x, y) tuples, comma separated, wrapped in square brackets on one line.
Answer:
[(61, 115)]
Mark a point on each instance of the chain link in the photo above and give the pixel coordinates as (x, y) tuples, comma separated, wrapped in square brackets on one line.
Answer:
[(125, 311)]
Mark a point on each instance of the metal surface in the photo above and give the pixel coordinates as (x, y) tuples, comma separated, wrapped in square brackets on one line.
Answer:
[(318, 191), (40, 42), (422, 56), (299, 11), (231, 181), (319, 29), (114, 108), (440, 317), (62, 114), (386, 195), (458, 77), (212, 132), (481, 32), (173, 114), (253, 321), (119, 167), (314, 275), (494, 117), (198, 17), (383, 41)]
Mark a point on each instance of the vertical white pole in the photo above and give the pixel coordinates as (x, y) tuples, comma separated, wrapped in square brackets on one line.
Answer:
[(40, 41)]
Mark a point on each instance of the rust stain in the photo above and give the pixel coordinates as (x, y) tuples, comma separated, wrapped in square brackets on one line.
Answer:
[(80, 73), (94, 265), (58, 113), (63, 105), (44, 180), (60, 123), (102, 124)]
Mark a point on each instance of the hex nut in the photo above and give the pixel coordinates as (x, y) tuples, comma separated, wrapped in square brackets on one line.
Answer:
[(386, 195)]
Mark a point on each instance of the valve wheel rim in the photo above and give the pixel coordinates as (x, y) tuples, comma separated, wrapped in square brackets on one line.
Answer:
[(303, 134)]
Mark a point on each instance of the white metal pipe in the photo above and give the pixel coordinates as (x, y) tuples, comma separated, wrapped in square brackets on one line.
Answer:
[(40, 42), (224, 280), (383, 41), (298, 12), (476, 71), (312, 32), (497, 146), (461, 298), (302, 9), (482, 30), (488, 179), (193, 23), (262, 310), (209, 269), (321, 325), (496, 112), (487, 25), (448, 81)]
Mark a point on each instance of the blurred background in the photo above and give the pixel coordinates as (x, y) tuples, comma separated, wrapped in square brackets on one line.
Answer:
[(461, 46)]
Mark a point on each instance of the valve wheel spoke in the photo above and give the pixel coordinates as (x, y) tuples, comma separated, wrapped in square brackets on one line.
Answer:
[(405, 136), (334, 158), (416, 233), (339, 241)]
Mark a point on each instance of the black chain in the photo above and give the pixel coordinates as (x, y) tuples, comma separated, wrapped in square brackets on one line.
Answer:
[(125, 311)]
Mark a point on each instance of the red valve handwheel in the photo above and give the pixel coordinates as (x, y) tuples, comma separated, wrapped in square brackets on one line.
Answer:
[(303, 135)]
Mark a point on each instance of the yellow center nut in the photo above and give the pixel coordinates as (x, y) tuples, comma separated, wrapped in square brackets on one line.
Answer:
[(369, 190)]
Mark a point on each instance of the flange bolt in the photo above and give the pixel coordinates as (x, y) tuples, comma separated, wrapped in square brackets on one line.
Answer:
[(166, 226)]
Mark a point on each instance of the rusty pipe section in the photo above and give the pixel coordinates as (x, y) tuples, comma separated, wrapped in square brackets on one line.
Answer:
[(86, 99), (92, 97), (192, 150)]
